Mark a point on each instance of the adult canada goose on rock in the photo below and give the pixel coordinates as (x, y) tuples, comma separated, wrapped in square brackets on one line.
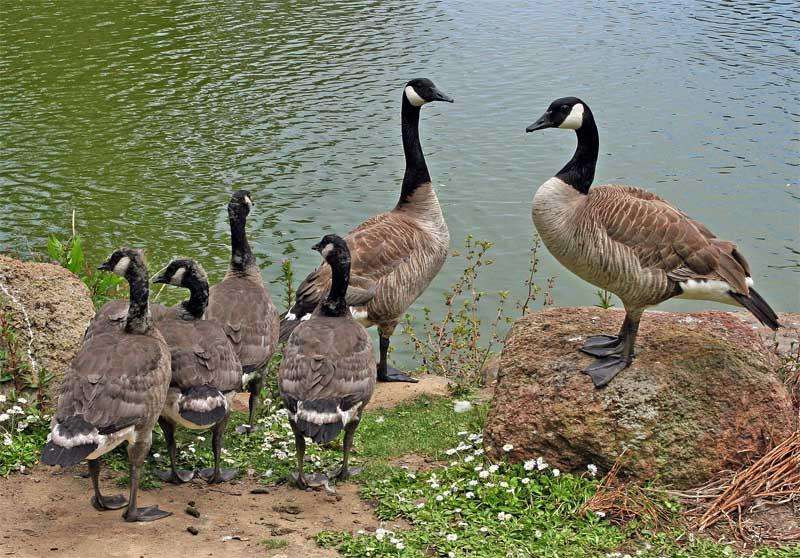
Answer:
[(113, 392), (632, 243), (397, 253), (328, 371), (206, 374), (241, 303)]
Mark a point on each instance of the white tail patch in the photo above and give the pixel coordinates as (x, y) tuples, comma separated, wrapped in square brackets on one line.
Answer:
[(359, 314), (105, 442), (247, 377), (290, 316), (711, 289), (306, 317), (414, 97), (315, 417), (122, 266), (574, 119)]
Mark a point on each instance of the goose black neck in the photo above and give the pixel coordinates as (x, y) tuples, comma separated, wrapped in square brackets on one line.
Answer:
[(198, 296), (579, 171), (138, 320), (416, 168), (335, 304), (241, 254)]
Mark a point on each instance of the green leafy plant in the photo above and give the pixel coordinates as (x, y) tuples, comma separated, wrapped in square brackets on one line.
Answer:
[(23, 432), (604, 299), (15, 364), (70, 255)]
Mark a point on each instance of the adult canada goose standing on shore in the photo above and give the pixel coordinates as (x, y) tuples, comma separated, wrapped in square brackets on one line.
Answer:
[(328, 371), (631, 242), (206, 374), (400, 251), (113, 392), (241, 303)]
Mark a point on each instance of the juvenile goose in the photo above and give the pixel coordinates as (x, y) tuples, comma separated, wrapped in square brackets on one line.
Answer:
[(113, 392), (206, 373), (328, 372), (632, 243), (241, 303), (400, 251)]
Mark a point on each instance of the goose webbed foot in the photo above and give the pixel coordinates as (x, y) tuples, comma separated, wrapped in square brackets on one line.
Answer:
[(347, 472), (105, 503), (604, 370), (213, 476), (178, 476), (392, 374), (299, 480), (603, 345), (149, 513)]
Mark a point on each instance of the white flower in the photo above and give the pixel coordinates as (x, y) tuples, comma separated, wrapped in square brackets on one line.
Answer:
[(478, 468), (478, 451), (420, 505), (537, 534), (380, 533), (439, 498), (493, 468), (22, 400), (473, 482), (7, 440), (399, 546), (380, 419), (156, 456), (457, 510), (201, 438), (600, 514), (508, 447), (484, 529), (434, 485), (462, 406), (483, 474), (541, 464), (463, 433), (451, 451), (4, 417), (503, 516), (452, 537), (469, 458), (503, 484), (469, 495), (21, 425), (556, 472), (526, 480), (15, 410), (529, 465), (592, 469), (2, 398)]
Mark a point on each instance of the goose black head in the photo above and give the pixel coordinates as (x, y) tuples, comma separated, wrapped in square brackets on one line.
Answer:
[(333, 248), (181, 273), (240, 204), (123, 261), (568, 113), (420, 91)]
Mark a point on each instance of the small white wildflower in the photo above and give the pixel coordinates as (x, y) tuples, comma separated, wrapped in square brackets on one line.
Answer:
[(503, 484), (478, 468), (420, 505), (592, 469), (156, 456), (463, 524), (452, 537), (15, 410), (473, 437), (380, 533), (7, 440), (463, 433), (451, 451), (478, 451), (541, 464), (469, 458), (600, 514), (411, 476), (457, 510), (526, 480), (451, 554), (508, 447), (380, 419), (22, 401), (529, 465), (556, 473), (4, 417), (503, 516), (435, 485), (537, 534), (473, 482), (484, 529), (399, 546), (469, 495), (2, 398), (439, 498), (493, 468), (483, 474)]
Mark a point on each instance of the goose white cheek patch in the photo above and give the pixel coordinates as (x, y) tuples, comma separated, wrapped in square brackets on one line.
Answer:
[(574, 119), (122, 265), (177, 278), (327, 250), (413, 97)]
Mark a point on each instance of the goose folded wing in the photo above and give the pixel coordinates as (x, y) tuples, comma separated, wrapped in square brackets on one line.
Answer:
[(111, 381), (662, 237)]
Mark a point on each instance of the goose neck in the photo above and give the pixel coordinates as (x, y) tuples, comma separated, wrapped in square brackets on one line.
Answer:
[(198, 297), (138, 319), (335, 303), (579, 171), (241, 254), (416, 169)]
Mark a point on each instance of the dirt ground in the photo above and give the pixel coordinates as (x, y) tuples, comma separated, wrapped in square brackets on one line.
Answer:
[(47, 512)]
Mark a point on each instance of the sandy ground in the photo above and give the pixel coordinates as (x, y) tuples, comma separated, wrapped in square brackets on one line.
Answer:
[(47, 512)]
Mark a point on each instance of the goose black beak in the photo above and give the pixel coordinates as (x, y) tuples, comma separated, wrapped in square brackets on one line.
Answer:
[(105, 266), (441, 96), (317, 247), (160, 278), (541, 124)]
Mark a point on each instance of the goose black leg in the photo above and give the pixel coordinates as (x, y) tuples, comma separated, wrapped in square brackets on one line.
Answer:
[(385, 372), (136, 454), (604, 369), (216, 475), (173, 476), (255, 390), (100, 502), (349, 432), (300, 447), (607, 345)]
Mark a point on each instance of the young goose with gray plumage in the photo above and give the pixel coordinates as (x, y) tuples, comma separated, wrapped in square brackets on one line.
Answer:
[(397, 254), (241, 303), (113, 392), (328, 372), (206, 374), (631, 242)]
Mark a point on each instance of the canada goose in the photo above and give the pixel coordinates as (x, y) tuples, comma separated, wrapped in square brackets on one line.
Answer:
[(631, 242), (113, 392), (206, 373), (241, 303), (401, 251), (328, 371)]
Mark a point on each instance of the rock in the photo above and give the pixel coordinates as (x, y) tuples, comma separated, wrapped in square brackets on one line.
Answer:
[(58, 306), (193, 530), (702, 393), (490, 371)]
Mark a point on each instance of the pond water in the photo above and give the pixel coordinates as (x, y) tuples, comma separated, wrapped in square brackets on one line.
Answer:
[(144, 118)]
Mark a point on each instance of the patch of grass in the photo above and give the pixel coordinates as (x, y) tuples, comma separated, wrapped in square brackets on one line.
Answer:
[(274, 544)]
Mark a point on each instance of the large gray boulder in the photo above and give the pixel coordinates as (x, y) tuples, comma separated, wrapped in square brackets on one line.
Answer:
[(703, 392)]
